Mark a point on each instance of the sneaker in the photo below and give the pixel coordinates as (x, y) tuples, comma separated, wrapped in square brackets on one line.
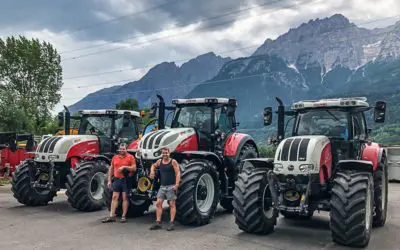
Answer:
[(108, 219), (156, 226), (123, 220), (171, 226)]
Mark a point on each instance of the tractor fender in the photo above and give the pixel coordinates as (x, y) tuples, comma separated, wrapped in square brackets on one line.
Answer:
[(188, 155), (234, 145), (357, 165), (373, 153), (96, 157), (267, 163)]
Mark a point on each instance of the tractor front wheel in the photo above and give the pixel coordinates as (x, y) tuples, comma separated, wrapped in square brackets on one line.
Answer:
[(136, 207), (248, 151), (198, 193), (352, 208), (85, 185), (23, 190), (252, 202)]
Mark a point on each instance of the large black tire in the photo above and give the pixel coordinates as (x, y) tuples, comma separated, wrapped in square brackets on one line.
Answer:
[(136, 208), (188, 210), (380, 193), (251, 188), (85, 185), (247, 152), (351, 208), (24, 192)]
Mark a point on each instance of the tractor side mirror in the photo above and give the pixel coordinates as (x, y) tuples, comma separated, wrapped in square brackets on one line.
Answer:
[(380, 112), (60, 119), (267, 116)]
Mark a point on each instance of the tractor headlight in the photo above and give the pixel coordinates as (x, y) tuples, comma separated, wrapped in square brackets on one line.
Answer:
[(278, 167), (306, 168), (157, 153)]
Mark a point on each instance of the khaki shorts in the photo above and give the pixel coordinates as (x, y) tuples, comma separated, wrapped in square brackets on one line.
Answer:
[(167, 193)]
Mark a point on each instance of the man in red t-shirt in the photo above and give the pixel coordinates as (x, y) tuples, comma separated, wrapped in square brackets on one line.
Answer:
[(119, 163)]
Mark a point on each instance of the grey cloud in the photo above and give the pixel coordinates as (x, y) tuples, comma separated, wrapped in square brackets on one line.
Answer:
[(72, 15)]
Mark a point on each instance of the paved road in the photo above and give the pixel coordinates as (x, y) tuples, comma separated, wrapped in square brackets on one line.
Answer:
[(57, 226)]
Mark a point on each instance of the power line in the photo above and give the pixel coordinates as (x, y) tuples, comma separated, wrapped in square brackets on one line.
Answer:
[(172, 87), (121, 17), (175, 35), (152, 65), (221, 52), (179, 86), (144, 35)]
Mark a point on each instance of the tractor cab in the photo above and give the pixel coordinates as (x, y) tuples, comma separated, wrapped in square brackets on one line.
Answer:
[(110, 126), (196, 124), (342, 120), (209, 117)]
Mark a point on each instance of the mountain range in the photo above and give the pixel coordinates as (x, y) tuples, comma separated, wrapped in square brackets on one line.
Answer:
[(323, 57)]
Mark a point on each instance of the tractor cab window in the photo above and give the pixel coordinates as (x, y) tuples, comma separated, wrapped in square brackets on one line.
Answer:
[(129, 133), (96, 125), (198, 117), (359, 127), (222, 121), (331, 123)]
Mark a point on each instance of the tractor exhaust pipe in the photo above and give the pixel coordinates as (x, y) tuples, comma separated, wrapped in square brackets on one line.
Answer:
[(161, 112), (67, 120), (281, 120)]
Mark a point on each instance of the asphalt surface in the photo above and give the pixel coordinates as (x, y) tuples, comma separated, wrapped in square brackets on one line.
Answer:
[(58, 226)]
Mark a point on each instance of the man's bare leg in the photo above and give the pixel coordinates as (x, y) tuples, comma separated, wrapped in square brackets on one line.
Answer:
[(114, 204), (157, 225), (172, 208), (125, 206), (172, 205)]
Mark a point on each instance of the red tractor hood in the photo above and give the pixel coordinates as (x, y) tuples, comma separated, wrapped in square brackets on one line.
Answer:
[(176, 139), (61, 148)]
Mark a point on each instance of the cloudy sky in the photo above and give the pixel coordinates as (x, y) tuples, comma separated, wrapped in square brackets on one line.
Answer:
[(109, 42)]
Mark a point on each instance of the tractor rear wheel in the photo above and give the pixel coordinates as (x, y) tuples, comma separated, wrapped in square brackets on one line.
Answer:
[(85, 185), (248, 151), (351, 208), (136, 207), (252, 202), (23, 190), (380, 194), (198, 193)]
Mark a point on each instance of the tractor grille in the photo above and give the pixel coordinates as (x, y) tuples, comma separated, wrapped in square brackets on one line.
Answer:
[(294, 150), (153, 141), (48, 144)]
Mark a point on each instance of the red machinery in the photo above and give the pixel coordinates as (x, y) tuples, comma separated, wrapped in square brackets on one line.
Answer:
[(12, 153)]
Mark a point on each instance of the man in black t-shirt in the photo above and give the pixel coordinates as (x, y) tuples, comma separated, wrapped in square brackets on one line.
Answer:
[(170, 177)]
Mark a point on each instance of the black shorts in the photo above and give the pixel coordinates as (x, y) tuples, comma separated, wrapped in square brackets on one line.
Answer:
[(119, 186)]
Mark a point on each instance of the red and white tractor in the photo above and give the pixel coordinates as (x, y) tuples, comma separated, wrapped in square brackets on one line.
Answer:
[(76, 162), (328, 164), (203, 139)]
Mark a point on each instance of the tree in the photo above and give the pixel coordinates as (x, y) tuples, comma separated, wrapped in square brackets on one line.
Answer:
[(128, 104), (30, 83), (133, 104)]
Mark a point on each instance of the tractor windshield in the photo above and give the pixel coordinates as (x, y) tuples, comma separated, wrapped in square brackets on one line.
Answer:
[(331, 123), (95, 125), (198, 117)]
